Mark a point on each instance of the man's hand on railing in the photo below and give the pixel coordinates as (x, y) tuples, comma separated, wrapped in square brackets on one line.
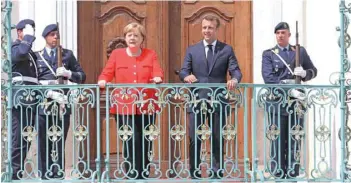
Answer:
[(190, 79), (102, 83), (297, 94), (232, 83), (58, 97)]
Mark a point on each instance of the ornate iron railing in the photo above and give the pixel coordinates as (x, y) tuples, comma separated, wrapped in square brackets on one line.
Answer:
[(345, 89), (249, 149)]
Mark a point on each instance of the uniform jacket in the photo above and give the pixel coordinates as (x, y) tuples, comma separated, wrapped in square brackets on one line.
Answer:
[(23, 58)]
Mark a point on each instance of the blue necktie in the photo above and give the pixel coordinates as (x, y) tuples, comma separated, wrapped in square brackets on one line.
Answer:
[(285, 54), (209, 56), (53, 60), (52, 56)]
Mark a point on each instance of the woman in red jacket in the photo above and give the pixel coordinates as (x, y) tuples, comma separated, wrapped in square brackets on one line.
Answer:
[(133, 106)]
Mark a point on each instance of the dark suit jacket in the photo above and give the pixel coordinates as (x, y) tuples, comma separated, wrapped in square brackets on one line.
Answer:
[(195, 63)]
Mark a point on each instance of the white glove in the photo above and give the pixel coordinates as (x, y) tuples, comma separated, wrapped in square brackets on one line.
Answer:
[(71, 83), (297, 94), (298, 71), (157, 79), (58, 97), (62, 71), (28, 30), (102, 83)]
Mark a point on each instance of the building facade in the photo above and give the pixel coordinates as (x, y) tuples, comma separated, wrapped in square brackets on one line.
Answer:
[(248, 27)]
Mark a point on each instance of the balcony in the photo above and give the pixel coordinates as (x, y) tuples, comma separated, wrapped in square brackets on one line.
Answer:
[(247, 140)]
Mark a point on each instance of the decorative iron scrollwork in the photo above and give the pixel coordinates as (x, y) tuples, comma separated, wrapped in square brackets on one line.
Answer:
[(125, 132), (29, 133), (297, 132), (205, 132), (322, 133), (229, 132), (153, 132), (177, 132), (273, 132), (80, 133), (55, 133)]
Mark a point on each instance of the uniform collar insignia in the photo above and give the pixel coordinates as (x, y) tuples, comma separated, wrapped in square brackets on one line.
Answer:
[(276, 50)]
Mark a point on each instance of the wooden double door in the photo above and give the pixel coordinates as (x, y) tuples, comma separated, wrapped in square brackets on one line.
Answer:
[(171, 26)]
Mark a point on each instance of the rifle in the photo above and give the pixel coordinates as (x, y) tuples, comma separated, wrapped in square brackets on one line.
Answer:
[(59, 53), (297, 48)]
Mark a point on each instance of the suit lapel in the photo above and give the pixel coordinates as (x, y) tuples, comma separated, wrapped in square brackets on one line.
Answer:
[(218, 49), (65, 57)]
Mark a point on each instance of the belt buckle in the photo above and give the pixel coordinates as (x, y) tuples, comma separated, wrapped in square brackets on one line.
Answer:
[(288, 81), (53, 82)]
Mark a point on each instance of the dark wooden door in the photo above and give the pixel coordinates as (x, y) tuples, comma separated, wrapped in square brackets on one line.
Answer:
[(171, 27)]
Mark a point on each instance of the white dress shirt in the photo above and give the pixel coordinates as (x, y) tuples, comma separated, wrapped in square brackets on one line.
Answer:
[(48, 51), (206, 46), (282, 48)]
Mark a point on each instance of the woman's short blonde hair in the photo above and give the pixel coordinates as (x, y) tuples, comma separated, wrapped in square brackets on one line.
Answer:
[(134, 26)]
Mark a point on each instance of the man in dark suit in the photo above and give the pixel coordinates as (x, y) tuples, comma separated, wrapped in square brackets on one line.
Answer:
[(51, 164), (278, 67), (208, 62)]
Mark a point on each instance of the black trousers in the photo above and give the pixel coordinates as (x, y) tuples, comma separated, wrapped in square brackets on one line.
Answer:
[(196, 120), (51, 147), (285, 156), (21, 121), (138, 168)]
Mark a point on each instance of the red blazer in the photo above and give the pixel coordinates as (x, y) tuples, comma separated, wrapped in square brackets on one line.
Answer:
[(126, 69)]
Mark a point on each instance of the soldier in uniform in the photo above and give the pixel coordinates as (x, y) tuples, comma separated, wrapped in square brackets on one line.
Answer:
[(24, 72), (278, 67), (72, 72)]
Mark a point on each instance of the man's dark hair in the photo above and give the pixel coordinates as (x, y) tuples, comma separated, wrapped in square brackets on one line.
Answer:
[(212, 18)]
